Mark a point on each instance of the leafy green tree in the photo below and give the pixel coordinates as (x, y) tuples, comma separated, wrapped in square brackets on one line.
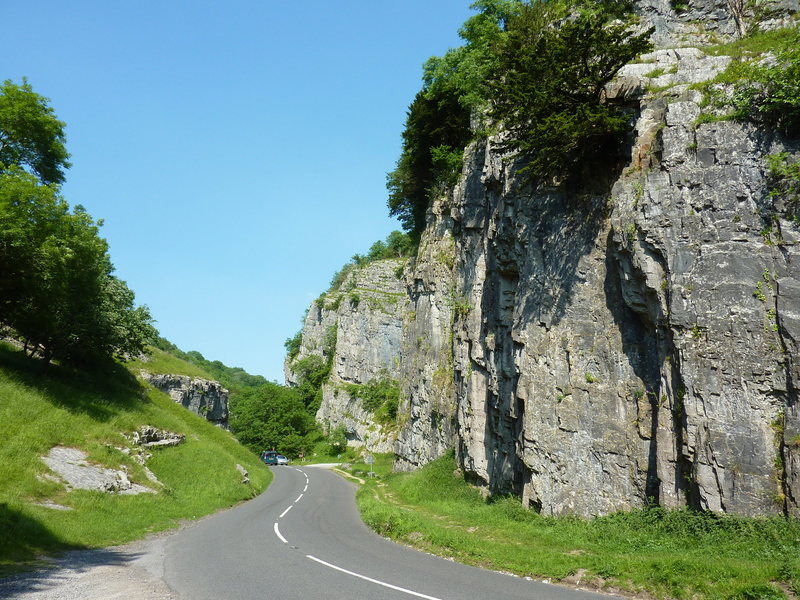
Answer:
[(438, 124), (30, 134), (58, 292), (548, 88), (271, 416), (398, 245), (464, 71), (312, 372), (337, 439), (293, 345), (437, 129)]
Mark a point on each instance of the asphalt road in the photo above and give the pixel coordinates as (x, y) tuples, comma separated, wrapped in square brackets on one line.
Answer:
[(303, 539)]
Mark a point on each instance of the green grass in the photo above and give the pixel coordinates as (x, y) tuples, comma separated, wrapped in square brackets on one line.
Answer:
[(753, 45), (669, 554), (40, 409), (161, 363)]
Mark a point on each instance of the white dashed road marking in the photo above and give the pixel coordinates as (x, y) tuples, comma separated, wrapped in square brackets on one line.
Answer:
[(371, 580)]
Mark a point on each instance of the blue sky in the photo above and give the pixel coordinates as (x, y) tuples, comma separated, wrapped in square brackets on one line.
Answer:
[(237, 151)]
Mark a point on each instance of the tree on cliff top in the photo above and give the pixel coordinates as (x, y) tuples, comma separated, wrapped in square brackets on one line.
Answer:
[(30, 134), (548, 89)]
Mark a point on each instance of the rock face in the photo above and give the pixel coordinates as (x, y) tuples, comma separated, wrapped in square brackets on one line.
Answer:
[(633, 346), (201, 396), (598, 352), (691, 22), (361, 323)]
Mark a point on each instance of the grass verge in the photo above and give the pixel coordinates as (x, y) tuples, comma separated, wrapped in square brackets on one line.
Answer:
[(40, 409), (666, 554)]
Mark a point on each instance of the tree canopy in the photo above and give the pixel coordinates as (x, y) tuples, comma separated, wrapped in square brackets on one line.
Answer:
[(534, 68), (436, 131), (30, 134), (271, 416), (57, 291), (548, 89)]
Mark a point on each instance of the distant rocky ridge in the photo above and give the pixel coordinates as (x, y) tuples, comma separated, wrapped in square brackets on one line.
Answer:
[(201, 396), (601, 353)]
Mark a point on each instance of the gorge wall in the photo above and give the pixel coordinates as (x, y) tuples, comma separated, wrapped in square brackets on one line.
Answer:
[(358, 327), (602, 351)]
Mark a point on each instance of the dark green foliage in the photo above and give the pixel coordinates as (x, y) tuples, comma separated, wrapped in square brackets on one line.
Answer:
[(233, 378), (547, 91), (57, 291), (784, 182), (464, 71), (771, 93), (397, 245), (378, 396), (312, 372), (538, 69), (292, 345), (271, 416), (437, 129), (438, 122), (30, 134)]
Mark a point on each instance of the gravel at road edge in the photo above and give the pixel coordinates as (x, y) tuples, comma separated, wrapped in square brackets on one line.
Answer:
[(130, 572)]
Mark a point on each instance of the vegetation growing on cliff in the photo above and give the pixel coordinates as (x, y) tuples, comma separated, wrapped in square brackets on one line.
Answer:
[(761, 83), (437, 129), (548, 90), (770, 92), (537, 69), (379, 396), (396, 245)]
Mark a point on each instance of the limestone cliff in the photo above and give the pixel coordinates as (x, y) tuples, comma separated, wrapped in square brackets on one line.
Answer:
[(358, 326), (637, 346), (598, 352)]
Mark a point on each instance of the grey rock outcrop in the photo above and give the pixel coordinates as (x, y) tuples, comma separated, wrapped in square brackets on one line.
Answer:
[(428, 399), (76, 472), (151, 437), (692, 22), (201, 396), (362, 321)]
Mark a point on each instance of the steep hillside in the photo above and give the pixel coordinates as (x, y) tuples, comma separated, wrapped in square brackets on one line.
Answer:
[(117, 435)]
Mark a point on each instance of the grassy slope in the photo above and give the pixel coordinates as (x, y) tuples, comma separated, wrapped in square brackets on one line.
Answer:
[(160, 363), (676, 554), (40, 410)]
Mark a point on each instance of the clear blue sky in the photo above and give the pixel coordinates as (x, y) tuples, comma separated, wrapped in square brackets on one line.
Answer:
[(237, 150)]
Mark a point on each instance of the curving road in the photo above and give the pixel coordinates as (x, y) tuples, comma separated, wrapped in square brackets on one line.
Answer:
[(304, 539)]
